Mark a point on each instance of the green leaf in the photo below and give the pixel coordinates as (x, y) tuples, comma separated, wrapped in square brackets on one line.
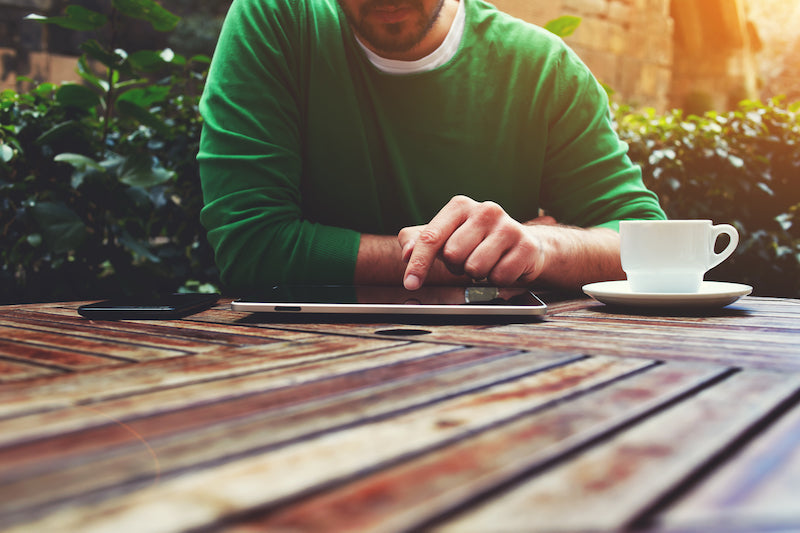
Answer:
[(200, 59), (59, 131), (178, 60), (137, 247), (62, 229), (85, 71), (44, 89), (563, 26), (75, 18), (143, 171), (157, 16), (74, 95), (147, 60), (145, 96), (80, 162), (132, 110), (84, 166), (94, 50)]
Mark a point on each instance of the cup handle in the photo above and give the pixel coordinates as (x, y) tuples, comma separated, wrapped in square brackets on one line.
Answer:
[(716, 231)]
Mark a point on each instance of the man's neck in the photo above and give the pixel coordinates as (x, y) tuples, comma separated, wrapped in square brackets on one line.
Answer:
[(439, 57), (432, 40)]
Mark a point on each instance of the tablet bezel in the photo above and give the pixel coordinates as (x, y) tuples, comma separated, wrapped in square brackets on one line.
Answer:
[(536, 307)]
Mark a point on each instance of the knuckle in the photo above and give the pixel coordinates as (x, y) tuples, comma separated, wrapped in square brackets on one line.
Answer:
[(418, 263), (473, 270), (489, 212), (430, 235), (502, 276), (492, 207), (526, 249), (498, 279), (461, 201), (449, 255), (510, 233)]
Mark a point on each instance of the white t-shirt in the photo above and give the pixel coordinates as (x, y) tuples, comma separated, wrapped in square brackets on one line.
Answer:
[(435, 59)]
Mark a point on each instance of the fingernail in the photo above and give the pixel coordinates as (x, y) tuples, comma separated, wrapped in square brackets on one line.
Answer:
[(412, 282)]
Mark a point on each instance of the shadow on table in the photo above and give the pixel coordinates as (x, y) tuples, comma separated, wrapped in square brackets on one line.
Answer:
[(671, 312)]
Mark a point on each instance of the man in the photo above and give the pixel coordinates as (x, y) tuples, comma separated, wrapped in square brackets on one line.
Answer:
[(336, 128)]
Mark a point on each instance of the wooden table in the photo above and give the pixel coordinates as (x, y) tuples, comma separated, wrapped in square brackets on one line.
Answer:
[(591, 419)]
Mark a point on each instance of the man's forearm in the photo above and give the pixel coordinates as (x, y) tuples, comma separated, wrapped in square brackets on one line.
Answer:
[(577, 256)]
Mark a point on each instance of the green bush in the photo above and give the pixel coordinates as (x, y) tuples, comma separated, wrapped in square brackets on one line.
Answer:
[(741, 167), (99, 186), (100, 191)]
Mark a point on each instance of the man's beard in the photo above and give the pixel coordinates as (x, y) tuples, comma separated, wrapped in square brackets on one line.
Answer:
[(392, 38)]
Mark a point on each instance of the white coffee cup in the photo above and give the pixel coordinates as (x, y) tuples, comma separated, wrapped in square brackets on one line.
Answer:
[(671, 255)]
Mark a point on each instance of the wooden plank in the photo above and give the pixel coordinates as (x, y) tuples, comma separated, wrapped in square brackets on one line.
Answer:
[(203, 405), (143, 333), (11, 370), (200, 498), (751, 310), (93, 461), (212, 325), (73, 344), (695, 324), (287, 412), (242, 373), (639, 466), (753, 348), (144, 389), (53, 358), (408, 496), (758, 489), (760, 323)]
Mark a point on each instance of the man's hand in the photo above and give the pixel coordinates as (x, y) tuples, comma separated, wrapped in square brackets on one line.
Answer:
[(477, 239), (480, 240)]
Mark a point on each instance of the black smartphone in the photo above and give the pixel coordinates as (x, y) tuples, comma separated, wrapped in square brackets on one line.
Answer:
[(167, 306)]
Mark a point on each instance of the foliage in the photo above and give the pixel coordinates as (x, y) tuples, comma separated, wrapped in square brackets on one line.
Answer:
[(98, 184), (741, 167), (563, 26), (198, 30)]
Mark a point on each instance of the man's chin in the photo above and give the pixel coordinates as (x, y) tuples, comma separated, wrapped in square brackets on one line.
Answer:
[(390, 41)]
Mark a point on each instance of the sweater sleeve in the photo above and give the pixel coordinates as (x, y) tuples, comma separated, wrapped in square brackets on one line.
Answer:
[(250, 158), (588, 178)]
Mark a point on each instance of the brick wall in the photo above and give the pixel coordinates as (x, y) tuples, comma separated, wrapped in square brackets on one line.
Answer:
[(691, 54), (628, 44)]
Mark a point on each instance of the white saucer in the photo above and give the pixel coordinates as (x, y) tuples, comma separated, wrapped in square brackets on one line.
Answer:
[(711, 294)]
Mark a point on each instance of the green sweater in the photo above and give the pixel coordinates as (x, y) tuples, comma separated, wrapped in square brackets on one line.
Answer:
[(306, 144)]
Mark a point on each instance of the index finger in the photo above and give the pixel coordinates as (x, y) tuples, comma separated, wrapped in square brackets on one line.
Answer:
[(431, 240)]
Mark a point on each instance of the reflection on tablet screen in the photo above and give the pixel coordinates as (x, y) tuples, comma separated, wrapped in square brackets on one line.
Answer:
[(335, 294)]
